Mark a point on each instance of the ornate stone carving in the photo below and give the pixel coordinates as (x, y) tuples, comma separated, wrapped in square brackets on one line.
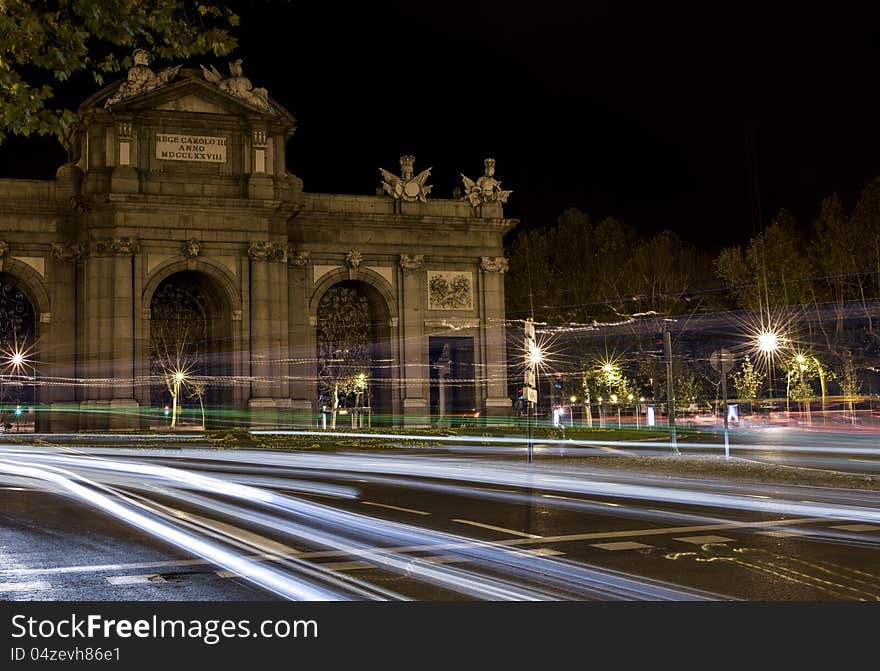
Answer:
[(238, 86), (124, 130), (299, 259), (192, 248), (406, 187), (141, 79), (411, 261), (259, 138), (64, 251), (450, 290), (494, 264), (124, 246), (486, 189), (113, 247), (268, 251), (353, 259), (4, 248)]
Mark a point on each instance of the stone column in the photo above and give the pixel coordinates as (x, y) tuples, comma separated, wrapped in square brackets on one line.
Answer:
[(62, 340), (494, 342), (108, 363), (265, 321), (414, 349), (123, 404), (301, 340)]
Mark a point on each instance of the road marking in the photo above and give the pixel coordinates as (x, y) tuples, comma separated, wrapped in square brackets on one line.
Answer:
[(702, 540), (255, 540), (405, 510), (542, 552), (571, 498), (857, 527), (508, 542), (227, 574), (620, 545), (16, 489), (134, 579), (782, 533), (35, 586), (513, 532)]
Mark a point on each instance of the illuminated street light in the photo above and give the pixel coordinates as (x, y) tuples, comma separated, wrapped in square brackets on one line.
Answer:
[(768, 342), (535, 356)]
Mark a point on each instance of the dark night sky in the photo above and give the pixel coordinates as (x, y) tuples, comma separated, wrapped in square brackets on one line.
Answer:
[(643, 112)]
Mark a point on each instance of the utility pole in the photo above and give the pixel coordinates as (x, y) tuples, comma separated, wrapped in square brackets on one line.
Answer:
[(530, 391), (670, 388)]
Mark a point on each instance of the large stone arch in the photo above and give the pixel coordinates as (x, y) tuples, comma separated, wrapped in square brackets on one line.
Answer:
[(216, 271), (30, 300), (384, 352), (225, 285), (365, 275)]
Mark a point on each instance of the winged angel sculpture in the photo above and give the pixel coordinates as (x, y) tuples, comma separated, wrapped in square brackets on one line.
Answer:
[(238, 85), (406, 187)]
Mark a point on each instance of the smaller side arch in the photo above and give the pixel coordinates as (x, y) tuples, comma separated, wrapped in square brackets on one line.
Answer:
[(32, 283)]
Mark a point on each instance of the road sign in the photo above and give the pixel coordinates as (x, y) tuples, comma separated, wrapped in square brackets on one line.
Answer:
[(529, 378), (530, 394), (722, 360)]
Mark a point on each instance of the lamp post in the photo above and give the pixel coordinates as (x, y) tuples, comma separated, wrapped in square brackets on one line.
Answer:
[(533, 358), (177, 380)]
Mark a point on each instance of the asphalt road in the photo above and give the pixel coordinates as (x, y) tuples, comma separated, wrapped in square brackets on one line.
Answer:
[(193, 524)]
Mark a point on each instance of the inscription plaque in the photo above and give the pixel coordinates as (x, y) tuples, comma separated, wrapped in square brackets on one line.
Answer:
[(202, 148)]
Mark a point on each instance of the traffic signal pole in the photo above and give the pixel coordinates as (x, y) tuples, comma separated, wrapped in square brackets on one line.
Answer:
[(670, 388)]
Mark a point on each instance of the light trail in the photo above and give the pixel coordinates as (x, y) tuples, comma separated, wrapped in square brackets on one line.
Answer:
[(498, 572)]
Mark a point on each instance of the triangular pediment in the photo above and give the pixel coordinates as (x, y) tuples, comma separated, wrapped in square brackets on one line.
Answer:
[(193, 102), (187, 92)]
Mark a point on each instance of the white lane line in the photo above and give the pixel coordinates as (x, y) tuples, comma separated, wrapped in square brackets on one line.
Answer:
[(513, 532), (571, 498), (134, 579), (620, 545), (702, 540), (38, 585), (335, 497), (16, 489), (405, 510), (857, 527), (508, 542), (256, 541), (782, 533), (865, 461), (542, 552)]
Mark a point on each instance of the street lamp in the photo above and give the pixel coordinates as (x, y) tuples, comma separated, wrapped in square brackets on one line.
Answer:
[(178, 378), (768, 343)]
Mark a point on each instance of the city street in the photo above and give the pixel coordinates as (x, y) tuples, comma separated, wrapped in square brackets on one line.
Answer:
[(460, 522)]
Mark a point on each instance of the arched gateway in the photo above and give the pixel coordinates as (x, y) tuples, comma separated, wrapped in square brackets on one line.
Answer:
[(191, 335), (17, 348), (177, 234)]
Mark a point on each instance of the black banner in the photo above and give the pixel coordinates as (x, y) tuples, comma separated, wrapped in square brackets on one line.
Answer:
[(228, 635)]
